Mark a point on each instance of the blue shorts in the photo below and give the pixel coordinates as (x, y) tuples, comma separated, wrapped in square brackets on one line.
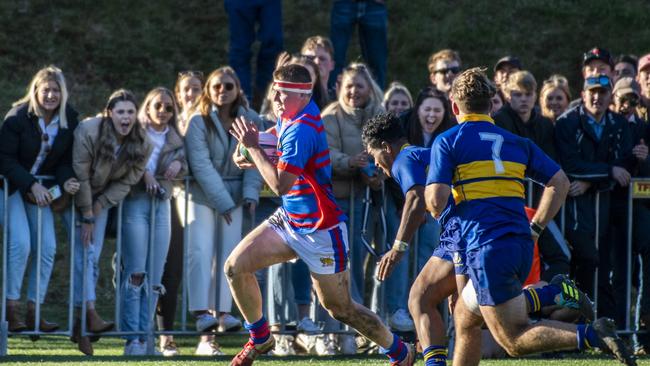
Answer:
[(498, 269), (453, 256), (452, 246)]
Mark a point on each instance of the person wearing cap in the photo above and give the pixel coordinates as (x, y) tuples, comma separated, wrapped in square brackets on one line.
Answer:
[(595, 150), (597, 61), (504, 68), (626, 96), (643, 78), (444, 66), (624, 65)]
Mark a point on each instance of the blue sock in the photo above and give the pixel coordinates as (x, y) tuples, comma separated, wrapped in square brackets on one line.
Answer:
[(435, 356), (587, 337), (539, 297), (397, 351), (259, 331)]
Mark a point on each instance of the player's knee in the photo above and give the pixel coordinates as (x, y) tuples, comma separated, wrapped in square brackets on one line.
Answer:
[(512, 349), (230, 268), (339, 311)]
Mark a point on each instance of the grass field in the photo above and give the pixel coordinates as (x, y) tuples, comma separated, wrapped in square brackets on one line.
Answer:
[(59, 351)]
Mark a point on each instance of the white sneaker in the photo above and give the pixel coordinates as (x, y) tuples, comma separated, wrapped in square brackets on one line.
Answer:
[(306, 325), (346, 344), (169, 349), (325, 345), (206, 323), (307, 342), (283, 345), (401, 321), (227, 322), (135, 348), (208, 349)]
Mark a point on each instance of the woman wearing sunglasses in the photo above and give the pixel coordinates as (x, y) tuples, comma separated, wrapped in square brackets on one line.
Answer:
[(147, 210), (189, 86), (218, 194), (36, 140), (109, 156)]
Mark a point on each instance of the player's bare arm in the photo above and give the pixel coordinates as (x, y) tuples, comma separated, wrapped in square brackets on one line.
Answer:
[(436, 196), (552, 199), (412, 215)]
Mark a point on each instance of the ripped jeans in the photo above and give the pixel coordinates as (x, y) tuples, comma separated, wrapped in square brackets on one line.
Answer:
[(137, 304)]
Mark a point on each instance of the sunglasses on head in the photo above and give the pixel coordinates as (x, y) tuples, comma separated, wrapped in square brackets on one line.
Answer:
[(453, 70), (167, 107), (192, 73), (227, 86), (601, 80)]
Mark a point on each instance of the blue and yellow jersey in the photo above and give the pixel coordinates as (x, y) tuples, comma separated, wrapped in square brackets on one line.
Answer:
[(486, 167), (410, 167)]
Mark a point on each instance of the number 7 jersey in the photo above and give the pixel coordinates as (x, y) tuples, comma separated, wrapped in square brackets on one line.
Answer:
[(486, 167)]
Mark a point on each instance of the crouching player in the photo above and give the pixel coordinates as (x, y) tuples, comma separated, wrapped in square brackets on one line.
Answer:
[(309, 225)]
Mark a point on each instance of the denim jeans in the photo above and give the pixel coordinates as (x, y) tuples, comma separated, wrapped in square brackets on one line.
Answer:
[(242, 19), (22, 242), (372, 20), (137, 306), (211, 242), (92, 260)]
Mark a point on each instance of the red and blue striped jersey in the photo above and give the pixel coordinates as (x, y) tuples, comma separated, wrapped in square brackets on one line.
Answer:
[(310, 204)]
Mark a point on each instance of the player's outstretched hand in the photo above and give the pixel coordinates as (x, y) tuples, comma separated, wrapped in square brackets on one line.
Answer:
[(388, 263), (245, 132)]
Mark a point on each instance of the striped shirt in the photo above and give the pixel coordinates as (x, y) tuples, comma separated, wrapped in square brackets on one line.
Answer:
[(309, 205), (486, 167)]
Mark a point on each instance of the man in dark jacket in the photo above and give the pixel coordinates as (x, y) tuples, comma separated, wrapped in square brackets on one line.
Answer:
[(626, 96), (594, 148)]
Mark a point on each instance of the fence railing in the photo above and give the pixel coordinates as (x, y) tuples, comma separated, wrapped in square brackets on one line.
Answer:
[(639, 189)]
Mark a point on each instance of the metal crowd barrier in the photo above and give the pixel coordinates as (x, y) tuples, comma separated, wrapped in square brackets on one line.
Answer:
[(639, 189)]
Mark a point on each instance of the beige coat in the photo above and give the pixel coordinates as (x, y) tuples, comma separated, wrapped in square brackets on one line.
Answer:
[(172, 150), (343, 126), (108, 183)]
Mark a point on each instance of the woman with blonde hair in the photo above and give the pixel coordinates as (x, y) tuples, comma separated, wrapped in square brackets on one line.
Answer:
[(218, 194), (555, 96), (397, 98), (36, 137), (187, 90), (359, 100), (109, 156), (147, 205)]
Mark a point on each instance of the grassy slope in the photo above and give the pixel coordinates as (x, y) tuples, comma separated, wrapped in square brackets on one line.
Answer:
[(103, 45)]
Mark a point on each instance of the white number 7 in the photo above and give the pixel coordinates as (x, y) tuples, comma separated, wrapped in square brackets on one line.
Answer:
[(497, 142)]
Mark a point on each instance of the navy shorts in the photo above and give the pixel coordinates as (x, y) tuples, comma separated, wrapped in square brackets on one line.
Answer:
[(452, 256), (498, 269)]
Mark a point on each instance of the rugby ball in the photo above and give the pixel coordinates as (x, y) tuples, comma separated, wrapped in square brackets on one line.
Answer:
[(268, 143)]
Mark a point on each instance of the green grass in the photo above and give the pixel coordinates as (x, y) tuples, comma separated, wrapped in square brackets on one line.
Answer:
[(59, 351)]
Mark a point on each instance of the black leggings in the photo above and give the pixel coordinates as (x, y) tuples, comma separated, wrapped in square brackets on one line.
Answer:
[(172, 275)]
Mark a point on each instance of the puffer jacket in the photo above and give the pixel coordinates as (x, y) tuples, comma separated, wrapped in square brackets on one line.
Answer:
[(218, 183), (343, 126), (172, 150), (105, 182)]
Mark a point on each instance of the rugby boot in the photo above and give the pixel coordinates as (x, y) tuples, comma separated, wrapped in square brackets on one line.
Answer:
[(246, 356), (611, 343), (572, 297), (409, 360)]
